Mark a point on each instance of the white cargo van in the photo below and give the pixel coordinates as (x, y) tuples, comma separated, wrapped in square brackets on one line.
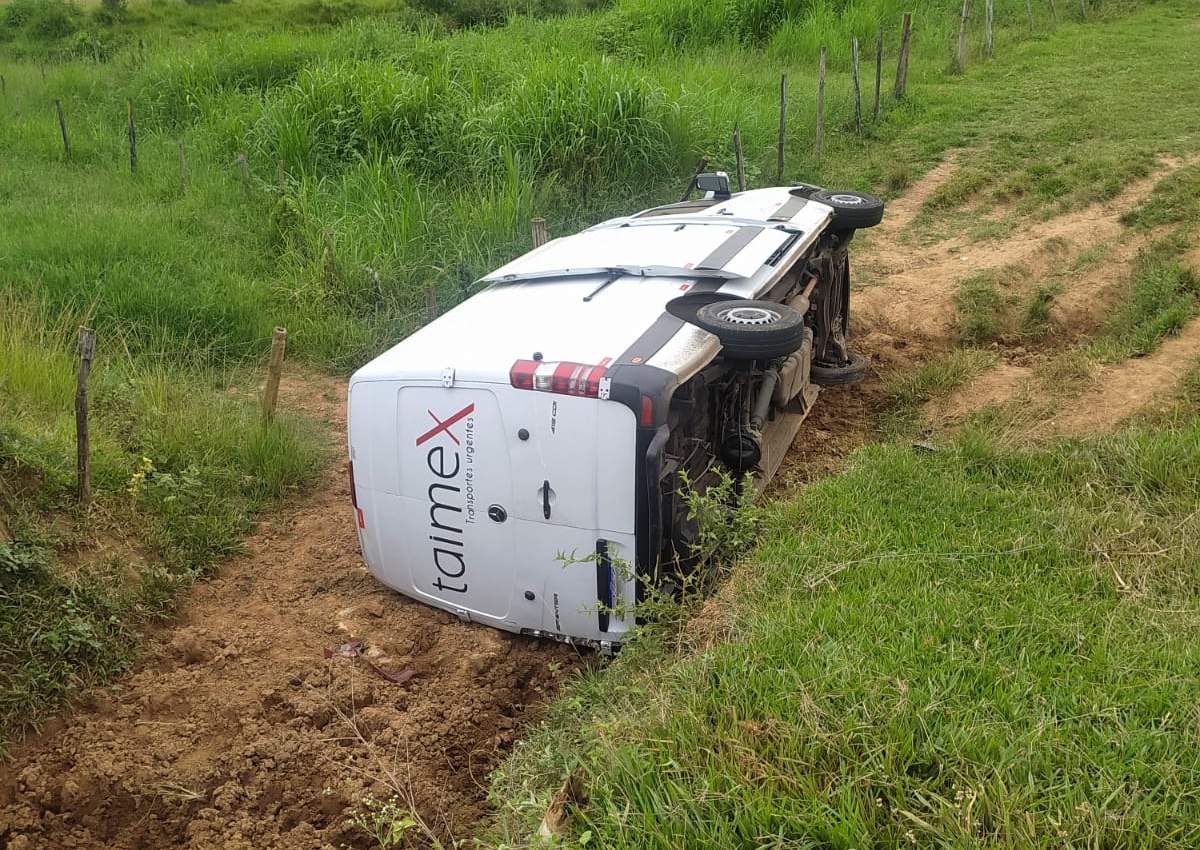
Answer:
[(517, 461)]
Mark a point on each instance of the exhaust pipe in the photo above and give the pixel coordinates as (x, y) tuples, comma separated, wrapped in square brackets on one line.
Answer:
[(762, 404)]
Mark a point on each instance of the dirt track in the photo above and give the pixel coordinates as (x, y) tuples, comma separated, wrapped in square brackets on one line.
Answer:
[(237, 732)]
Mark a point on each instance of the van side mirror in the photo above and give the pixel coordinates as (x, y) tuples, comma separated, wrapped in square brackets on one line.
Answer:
[(716, 182)]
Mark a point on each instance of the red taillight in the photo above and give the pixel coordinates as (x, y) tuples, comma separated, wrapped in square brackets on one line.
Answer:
[(521, 374), (563, 376), (647, 410)]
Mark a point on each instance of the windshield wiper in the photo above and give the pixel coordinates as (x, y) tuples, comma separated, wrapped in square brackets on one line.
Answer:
[(613, 277), (618, 271)]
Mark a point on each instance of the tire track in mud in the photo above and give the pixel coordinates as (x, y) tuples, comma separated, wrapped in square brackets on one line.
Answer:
[(237, 732), (910, 312), (919, 282)]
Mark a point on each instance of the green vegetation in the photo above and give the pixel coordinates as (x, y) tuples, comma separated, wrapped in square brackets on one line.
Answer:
[(1163, 296), (976, 647), (937, 377), (179, 465), (910, 683), (1035, 317), (414, 155), (981, 308), (1165, 292), (973, 644)]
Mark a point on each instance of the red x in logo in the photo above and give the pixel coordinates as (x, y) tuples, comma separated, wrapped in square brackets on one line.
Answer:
[(445, 426)]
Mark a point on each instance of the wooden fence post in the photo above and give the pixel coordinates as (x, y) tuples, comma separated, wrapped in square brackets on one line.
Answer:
[(538, 225), (1053, 13), (274, 370), (83, 448), (902, 62), (857, 85), (183, 170), (782, 126), (878, 71), (244, 171), (131, 131), (62, 126), (1082, 10), (960, 61), (989, 9), (739, 162), (819, 135), (1029, 12), (431, 305), (700, 166)]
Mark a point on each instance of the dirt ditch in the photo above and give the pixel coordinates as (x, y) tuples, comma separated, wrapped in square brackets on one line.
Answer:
[(292, 684)]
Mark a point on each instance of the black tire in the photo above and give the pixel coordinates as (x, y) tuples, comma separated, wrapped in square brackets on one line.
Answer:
[(851, 210), (753, 330), (827, 375)]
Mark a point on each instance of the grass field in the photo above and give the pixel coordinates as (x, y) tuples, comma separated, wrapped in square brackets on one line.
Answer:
[(983, 646), (389, 150), (976, 643)]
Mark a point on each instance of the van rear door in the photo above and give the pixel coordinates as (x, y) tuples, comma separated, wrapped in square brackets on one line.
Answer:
[(491, 493)]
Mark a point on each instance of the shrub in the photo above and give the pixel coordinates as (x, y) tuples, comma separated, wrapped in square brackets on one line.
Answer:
[(336, 113), (581, 120), (41, 20)]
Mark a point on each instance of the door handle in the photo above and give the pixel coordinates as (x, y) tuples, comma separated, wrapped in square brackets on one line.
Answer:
[(546, 498)]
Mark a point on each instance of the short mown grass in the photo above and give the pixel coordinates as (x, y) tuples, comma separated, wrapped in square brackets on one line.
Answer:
[(976, 647)]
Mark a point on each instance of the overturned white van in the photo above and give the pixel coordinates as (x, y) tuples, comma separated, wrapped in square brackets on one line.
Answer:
[(517, 461)]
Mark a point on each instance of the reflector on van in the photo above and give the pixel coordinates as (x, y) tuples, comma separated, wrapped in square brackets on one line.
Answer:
[(562, 376)]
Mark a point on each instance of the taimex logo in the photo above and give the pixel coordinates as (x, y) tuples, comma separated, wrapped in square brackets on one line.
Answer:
[(446, 500)]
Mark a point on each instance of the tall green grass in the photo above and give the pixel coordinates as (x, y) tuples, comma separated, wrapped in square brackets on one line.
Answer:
[(425, 152), (180, 464)]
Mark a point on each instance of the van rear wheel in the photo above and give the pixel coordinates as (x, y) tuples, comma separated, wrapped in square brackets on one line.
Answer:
[(753, 330), (833, 374), (851, 210)]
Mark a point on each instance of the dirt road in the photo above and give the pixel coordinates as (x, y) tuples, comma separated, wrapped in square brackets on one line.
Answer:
[(237, 732)]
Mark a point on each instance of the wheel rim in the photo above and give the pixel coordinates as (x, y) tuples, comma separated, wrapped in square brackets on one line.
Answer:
[(848, 200), (748, 316)]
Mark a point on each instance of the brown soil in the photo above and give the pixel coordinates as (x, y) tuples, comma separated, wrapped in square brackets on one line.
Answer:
[(239, 732), (1130, 387), (920, 281), (913, 282)]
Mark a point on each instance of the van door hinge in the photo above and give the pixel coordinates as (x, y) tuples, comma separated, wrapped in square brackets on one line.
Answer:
[(605, 388), (448, 376)]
